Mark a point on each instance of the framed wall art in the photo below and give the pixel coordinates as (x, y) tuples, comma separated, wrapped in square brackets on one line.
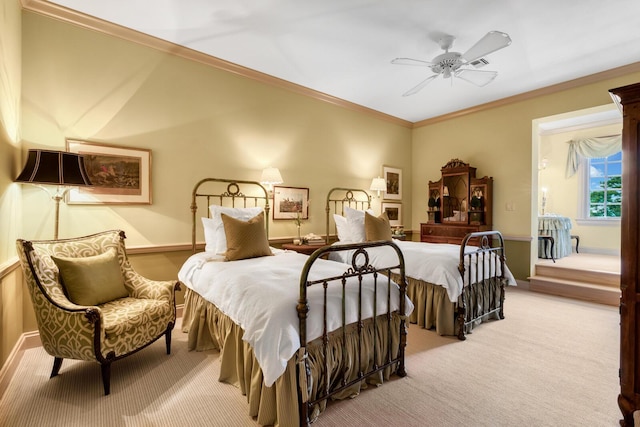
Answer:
[(289, 202), (120, 175), (393, 178), (394, 212)]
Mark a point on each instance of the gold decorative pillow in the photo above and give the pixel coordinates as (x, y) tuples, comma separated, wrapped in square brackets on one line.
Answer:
[(92, 280), (245, 239), (377, 228)]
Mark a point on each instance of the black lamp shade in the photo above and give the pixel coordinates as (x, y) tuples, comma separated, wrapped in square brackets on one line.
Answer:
[(54, 168)]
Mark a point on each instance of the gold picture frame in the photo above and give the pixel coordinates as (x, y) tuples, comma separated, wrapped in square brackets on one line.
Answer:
[(288, 202), (120, 175)]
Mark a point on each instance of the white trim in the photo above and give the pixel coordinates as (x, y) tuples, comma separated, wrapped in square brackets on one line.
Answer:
[(9, 266), (583, 205), (25, 342), (607, 116), (598, 222)]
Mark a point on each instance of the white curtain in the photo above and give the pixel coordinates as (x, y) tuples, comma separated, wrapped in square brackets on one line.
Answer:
[(602, 146)]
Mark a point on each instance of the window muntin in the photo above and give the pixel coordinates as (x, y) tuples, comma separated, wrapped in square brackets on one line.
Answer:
[(604, 195)]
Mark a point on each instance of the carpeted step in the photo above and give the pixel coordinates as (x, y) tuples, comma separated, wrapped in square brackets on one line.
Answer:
[(596, 277), (603, 294)]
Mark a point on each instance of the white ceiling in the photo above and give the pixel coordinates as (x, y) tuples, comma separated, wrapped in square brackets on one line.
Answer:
[(343, 48)]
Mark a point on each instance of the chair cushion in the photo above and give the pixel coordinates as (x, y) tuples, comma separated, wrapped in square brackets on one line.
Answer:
[(92, 280), (130, 314), (245, 239)]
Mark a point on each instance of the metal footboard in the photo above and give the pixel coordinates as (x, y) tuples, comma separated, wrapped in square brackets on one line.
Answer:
[(392, 357), (482, 267)]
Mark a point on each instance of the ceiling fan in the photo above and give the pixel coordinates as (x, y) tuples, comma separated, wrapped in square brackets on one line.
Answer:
[(456, 64)]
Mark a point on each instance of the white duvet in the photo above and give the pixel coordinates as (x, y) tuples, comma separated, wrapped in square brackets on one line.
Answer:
[(261, 294), (435, 263)]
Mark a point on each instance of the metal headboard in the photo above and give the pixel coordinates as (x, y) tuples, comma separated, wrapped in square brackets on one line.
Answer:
[(232, 196), (355, 198)]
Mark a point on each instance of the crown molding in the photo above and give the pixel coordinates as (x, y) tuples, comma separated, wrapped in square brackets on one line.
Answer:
[(570, 84), (92, 23)]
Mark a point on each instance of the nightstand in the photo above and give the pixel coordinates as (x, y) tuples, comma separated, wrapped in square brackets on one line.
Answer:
[(303, 249)]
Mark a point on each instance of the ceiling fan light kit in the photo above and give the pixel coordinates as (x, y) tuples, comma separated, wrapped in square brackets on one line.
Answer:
[(454, 64)]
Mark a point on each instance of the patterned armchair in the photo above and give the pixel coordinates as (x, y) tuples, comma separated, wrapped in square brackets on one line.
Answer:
[(102, 332)]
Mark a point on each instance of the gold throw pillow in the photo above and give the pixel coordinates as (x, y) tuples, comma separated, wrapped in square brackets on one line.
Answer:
[(377, 228), (245, 239), (92, 280)]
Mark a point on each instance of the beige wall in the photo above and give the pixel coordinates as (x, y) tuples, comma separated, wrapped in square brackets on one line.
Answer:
[(198, 121), (498, 142), (11, 290), (10, 100)]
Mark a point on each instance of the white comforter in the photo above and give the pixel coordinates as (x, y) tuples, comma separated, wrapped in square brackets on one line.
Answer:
[(261, 294), (435, 263)]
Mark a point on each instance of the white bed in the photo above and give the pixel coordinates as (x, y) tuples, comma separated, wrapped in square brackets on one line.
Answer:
[(435, 272), (260, 295), (293, 331)]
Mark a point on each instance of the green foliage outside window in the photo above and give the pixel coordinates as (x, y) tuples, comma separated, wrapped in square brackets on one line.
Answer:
[(605, 187)]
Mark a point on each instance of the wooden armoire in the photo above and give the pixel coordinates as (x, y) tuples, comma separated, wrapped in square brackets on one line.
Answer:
[(629, 397), (459, 203)]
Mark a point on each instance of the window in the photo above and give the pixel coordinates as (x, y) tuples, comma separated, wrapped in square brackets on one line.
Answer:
[(604, 187)]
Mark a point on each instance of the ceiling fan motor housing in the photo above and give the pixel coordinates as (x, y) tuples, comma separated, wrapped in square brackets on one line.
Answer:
[(447, 63)]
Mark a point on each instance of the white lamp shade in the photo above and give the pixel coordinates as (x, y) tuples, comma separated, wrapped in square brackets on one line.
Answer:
[(271, 176), (378, 184)]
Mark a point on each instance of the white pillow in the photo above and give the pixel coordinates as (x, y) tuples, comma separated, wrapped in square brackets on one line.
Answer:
[(243, 214), (342, 228), (355, 220), (209, 226)]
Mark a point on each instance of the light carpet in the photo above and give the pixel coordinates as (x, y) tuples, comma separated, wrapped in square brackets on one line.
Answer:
[(551, 362)]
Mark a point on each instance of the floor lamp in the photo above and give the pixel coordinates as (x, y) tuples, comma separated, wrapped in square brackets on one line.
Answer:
[(59, 168)]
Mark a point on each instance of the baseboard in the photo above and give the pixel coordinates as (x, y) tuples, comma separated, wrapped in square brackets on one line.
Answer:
[(523, 284), (27, 341)]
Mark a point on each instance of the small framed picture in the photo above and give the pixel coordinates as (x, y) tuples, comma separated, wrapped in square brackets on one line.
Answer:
[(393, 178), (120, 175), (290, 202), (394, 212)]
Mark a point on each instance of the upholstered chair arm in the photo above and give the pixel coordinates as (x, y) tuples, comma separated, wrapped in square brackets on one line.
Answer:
[(141, 287), (68, 330)]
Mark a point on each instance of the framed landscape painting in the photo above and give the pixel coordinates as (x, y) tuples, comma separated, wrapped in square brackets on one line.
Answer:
[(289, 202), (120, 175)]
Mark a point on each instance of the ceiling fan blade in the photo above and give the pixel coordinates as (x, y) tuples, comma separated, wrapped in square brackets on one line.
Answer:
[(477, 77), (492, 41), (419, 87), (409, 61)]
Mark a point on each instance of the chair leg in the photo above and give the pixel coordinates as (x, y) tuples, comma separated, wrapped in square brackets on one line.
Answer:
[(167, 337), (573, 236), (106, 377), (57, 363)]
